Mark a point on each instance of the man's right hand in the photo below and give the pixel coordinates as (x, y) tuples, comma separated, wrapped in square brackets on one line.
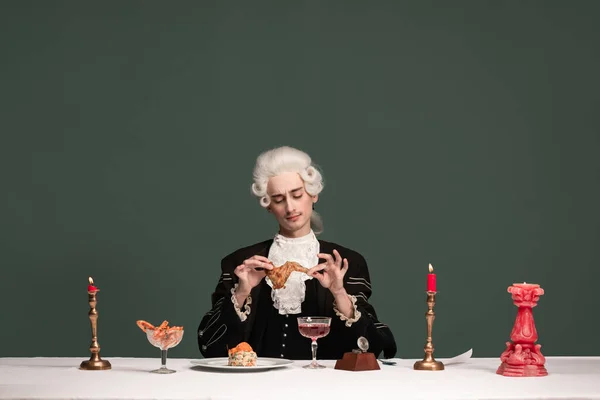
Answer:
[(248, 275)]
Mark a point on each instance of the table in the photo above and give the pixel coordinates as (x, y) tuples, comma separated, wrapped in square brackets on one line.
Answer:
[(60, 378)]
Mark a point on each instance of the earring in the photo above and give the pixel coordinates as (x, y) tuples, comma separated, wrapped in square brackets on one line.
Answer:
[(313, 206)]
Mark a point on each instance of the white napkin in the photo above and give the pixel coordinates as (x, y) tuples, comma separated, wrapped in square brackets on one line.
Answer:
[(461, 358)]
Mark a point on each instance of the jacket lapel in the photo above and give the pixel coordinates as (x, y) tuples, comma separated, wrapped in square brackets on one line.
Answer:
[(262, 251), (258, 320), (324, 297)]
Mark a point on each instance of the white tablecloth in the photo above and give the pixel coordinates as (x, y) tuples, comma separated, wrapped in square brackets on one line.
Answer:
[(60, 378)]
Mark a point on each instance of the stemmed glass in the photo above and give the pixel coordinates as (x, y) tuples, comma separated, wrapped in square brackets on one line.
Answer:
[(164, 339), (314, 328)]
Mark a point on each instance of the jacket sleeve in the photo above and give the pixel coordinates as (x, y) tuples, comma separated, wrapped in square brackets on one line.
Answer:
[(357, 283), (221, 327)]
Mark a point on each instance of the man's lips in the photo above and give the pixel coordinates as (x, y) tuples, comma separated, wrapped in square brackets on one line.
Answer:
[(293, 218)]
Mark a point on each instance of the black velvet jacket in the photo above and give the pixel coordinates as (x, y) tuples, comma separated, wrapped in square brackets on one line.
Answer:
[(273, 335)]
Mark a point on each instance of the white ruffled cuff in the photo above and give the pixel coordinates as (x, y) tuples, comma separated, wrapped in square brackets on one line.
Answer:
[(349, 321), (242, 314)]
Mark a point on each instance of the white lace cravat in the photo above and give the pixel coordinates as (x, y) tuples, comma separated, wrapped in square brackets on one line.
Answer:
[(302, 250)]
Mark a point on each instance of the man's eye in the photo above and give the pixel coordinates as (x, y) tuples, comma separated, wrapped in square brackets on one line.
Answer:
[(298, 196), (278, 201)]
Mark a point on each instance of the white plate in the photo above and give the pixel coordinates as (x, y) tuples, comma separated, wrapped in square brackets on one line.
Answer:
[(262, 363)]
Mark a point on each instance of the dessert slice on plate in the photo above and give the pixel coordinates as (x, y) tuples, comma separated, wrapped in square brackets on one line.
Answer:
[(242, 355)]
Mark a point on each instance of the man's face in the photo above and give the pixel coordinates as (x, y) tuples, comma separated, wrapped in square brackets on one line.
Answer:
[(290, 204)]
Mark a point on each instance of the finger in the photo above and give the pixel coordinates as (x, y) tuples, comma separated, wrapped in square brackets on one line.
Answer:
[(252, 263), (261, 258), (345, 266), (338, 258), (326, 257), (239, 269), (264, 267), (319, 277), (316, 269), (252, 260), (257, 264)]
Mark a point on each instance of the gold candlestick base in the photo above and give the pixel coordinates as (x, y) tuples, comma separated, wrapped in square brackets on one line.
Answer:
[(429, 363), (95, 363)]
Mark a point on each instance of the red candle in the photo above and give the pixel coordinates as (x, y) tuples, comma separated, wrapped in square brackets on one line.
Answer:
[(431, 283), (91, 287)]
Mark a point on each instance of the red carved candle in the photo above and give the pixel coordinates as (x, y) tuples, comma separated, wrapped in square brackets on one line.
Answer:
[(431, 280), (522, 356)]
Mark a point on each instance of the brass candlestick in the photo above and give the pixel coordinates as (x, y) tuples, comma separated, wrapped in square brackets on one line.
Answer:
[(95, 363), (429, 363)]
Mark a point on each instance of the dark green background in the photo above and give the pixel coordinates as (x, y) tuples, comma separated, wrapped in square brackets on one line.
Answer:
[(465, 134)]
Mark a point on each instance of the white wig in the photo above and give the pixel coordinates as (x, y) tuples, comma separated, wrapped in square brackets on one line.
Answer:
[(287, 159)]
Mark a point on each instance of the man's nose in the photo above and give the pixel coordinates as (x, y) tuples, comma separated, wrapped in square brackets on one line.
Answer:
[(290, 207)]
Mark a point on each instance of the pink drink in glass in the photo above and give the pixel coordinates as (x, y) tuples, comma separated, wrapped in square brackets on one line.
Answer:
[(314, 328)]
